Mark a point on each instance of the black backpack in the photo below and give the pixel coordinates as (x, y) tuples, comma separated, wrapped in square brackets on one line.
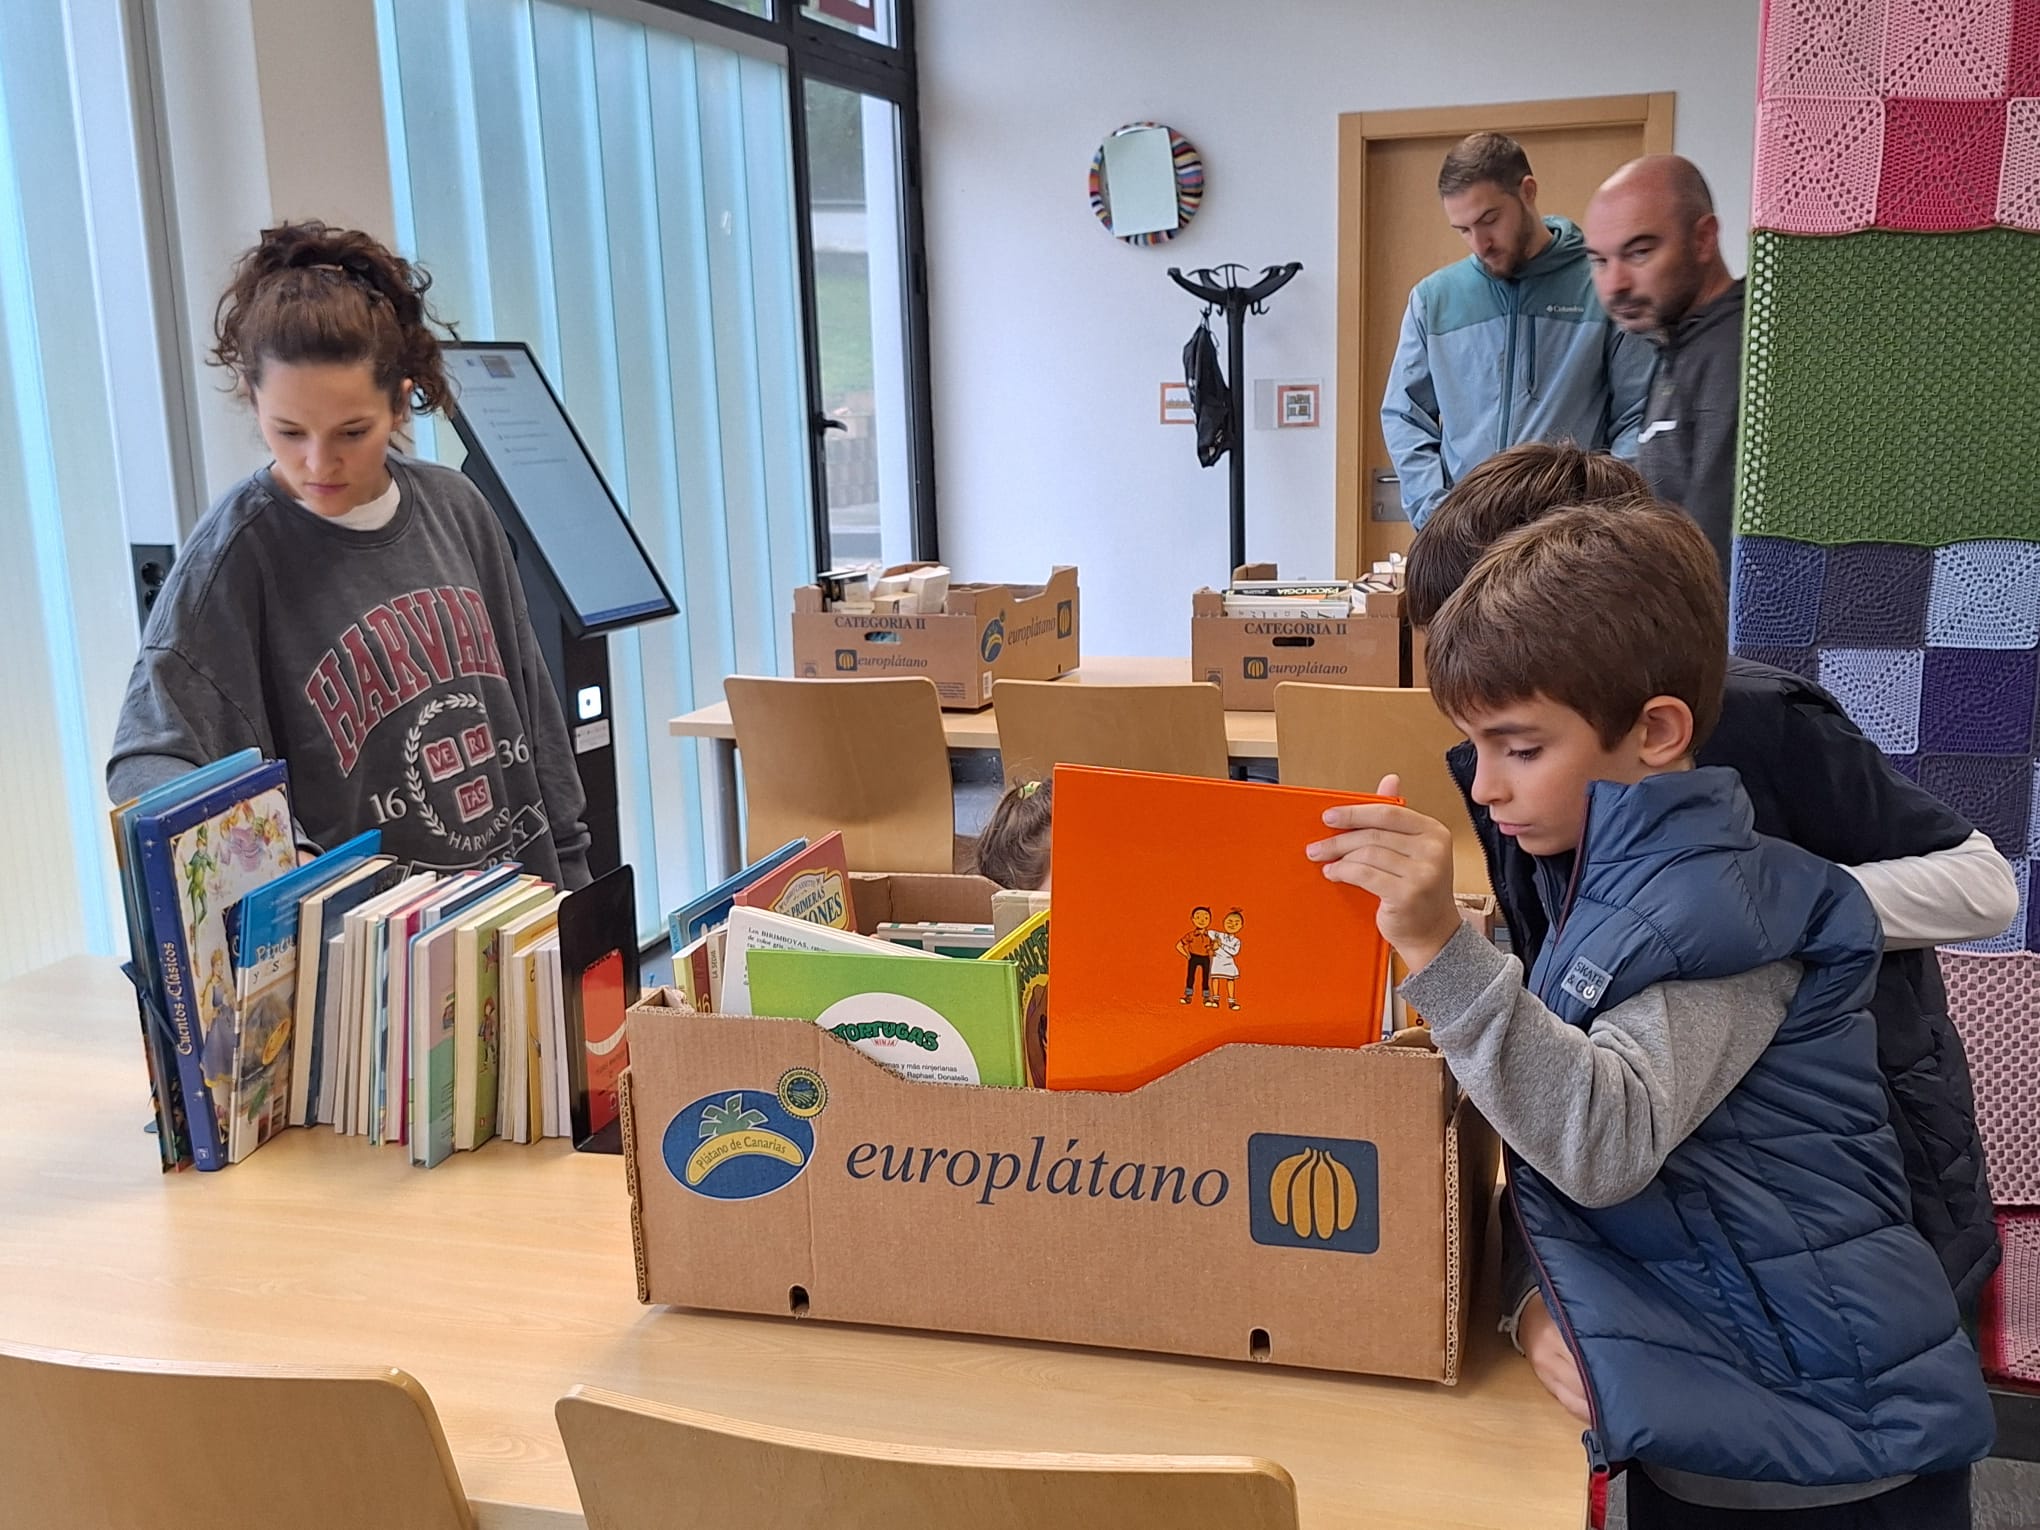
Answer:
[(1209, 397)]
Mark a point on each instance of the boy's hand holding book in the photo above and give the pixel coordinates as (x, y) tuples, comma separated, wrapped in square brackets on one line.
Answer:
[(1405, 860)]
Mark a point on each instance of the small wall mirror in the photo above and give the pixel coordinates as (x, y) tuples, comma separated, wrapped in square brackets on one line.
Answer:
[(1146, 183)]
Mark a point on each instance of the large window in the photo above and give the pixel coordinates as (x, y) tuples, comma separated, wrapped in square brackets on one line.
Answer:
[(621, 196), (82, 460), (860, 310), (703, 224), (856, 164)]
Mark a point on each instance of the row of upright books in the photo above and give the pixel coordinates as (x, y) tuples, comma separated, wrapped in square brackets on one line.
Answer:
[(431, 1011)]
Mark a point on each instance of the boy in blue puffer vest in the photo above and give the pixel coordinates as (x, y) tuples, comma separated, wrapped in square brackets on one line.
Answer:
[(1700, 1158)]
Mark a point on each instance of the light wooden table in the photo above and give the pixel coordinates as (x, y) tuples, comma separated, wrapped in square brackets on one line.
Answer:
[(1248, 735), (504, 1276)]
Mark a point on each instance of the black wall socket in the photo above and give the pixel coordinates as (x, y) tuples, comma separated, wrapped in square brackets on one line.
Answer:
[(150, 562)]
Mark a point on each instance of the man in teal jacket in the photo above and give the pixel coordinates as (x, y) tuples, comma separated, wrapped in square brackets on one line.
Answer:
[(1508, 345)]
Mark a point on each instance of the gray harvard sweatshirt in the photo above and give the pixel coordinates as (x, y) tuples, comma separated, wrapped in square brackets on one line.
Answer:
[(395, 671)]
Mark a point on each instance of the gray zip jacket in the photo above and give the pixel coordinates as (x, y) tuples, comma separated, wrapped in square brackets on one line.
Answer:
[(1687, 445)]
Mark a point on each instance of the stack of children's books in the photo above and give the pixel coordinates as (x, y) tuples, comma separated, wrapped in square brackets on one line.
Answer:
[(940, 1001), (1185, 916), (403, 1006)]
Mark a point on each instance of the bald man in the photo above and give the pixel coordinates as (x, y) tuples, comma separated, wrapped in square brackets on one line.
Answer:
[(1654, 247)]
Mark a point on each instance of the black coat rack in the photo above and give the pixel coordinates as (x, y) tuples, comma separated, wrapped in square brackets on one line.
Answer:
[(1220, 288)]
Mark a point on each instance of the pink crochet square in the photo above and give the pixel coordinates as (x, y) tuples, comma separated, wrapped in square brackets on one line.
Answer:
[(1817, 162), (1952, 50), (1942, 160), (1995, 1004), (1820, 48), (2019, 185), (2022, 78), (2008, 1331)]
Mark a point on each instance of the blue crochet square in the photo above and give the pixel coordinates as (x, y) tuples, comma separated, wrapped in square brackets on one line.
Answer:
[(1985, 595), (1774, 593), (1994, 793), (1875, 596), (1907, 765), (1880, 689), (1803, 662), (1977, 701), (2033, 815), (2016, 937)]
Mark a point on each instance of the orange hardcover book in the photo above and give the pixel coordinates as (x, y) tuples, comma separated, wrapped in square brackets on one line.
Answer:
[(1187, 916)]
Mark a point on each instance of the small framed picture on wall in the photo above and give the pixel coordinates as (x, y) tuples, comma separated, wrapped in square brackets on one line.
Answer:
[(1296, 406), (1176, 406)]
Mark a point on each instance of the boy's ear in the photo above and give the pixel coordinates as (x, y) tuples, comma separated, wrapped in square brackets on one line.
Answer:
[(1665, 732)]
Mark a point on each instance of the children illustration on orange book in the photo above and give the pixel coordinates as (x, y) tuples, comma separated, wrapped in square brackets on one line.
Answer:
[(1196, 948), (1225, 959)]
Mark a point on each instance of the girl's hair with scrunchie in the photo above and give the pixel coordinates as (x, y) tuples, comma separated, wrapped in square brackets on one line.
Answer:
[(1013, 850), (309, 294)]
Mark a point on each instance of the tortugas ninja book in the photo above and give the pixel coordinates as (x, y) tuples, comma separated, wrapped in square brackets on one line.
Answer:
[(935, 1019)]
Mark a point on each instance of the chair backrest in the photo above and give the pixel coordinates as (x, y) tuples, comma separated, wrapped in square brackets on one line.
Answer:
[(867, 757), (634, 1461), (99, 1440), (1176, 729), (1347, 737)]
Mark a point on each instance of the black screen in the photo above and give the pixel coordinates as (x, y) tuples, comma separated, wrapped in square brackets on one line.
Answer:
[(506, 414)]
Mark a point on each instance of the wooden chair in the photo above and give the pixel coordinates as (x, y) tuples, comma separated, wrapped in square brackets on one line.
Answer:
[(867, 757), (1347, 737), (635, 1462), (98, 1440), (1176, 729)]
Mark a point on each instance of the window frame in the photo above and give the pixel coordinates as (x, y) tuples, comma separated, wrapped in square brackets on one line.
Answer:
[(828, 55)]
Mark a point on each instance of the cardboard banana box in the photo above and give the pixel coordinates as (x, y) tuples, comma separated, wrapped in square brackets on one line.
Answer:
[(1307, 1207), (984, 632)]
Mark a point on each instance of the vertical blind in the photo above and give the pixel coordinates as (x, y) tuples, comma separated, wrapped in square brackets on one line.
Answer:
[(64, 583), (620, 196)]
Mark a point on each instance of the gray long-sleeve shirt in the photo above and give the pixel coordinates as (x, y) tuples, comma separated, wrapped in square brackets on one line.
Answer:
[(1595, 1110), (395, 670)]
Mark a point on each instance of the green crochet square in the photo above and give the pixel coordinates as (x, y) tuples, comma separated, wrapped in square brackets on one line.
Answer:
[(1891, 388)]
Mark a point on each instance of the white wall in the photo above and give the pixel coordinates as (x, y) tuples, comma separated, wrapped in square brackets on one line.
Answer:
[(1051, 338), (272, 110)]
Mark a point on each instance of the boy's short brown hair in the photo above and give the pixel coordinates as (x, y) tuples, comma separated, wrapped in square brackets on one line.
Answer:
[(1510, 489), (1598, 608)]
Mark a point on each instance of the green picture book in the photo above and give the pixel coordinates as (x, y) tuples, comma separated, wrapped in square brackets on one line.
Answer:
[(946, 1022)]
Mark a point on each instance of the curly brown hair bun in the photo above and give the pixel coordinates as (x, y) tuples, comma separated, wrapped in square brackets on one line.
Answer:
[(312, 294)]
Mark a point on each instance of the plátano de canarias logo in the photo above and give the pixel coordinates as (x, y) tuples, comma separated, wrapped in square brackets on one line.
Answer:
[(738, 1144), (1314, 1192)]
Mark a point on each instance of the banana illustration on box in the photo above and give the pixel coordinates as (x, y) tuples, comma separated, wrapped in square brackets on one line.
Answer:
[(1313, 1194)]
